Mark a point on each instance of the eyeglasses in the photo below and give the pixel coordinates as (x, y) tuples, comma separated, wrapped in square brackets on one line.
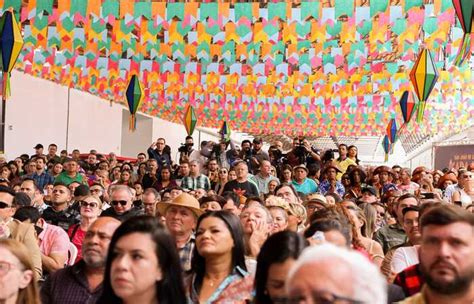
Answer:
[(115, 203), (5, 267), (87, 204), (4, 205)]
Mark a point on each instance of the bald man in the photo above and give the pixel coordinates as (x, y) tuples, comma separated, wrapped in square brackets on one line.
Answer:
[(82, 282)]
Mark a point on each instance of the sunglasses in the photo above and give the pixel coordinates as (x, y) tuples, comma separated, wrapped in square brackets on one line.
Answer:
[(115, 203), (4, 205), (87, 204)]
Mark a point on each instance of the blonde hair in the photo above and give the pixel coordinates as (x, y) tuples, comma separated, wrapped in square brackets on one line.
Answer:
[(96, 198), (29, 294)]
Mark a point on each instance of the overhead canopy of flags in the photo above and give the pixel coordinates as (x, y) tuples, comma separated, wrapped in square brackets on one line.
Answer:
[(280, 67)]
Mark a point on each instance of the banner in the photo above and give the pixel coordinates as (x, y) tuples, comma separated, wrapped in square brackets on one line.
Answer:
[(457, 156)]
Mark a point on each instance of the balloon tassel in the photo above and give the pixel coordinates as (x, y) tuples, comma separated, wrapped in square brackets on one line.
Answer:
[(464, 50), (386, 157), (132, 122), (6, 85), (421, 111)]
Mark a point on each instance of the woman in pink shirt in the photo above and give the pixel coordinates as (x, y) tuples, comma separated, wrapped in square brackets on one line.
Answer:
[(90, 209)]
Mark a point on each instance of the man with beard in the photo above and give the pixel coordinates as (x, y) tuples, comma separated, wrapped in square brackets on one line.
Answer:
[(446, 256), (82, 282), (60, 213)]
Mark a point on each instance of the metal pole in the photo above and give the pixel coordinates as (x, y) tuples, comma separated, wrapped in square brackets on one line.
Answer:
[(67, 119), (2, 128)]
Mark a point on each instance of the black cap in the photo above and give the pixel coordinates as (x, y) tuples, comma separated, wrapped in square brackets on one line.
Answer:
[(82, 190), (257, 141), (38, 146), (370, 189)]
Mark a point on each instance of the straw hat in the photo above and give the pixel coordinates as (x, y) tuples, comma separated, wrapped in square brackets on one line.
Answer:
[(183, 200), (315, 198), (275, 201)]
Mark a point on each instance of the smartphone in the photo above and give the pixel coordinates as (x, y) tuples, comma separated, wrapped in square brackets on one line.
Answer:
[(428, 195)]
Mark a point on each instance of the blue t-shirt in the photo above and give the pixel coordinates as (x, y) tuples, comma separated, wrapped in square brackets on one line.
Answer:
[(307, 187)]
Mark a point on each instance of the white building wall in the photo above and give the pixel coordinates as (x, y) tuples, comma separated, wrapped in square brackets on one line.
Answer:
[(94, 124), (37, 112), (424, 158)]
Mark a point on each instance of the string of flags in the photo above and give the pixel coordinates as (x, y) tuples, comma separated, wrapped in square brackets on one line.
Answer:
[(286, 67)]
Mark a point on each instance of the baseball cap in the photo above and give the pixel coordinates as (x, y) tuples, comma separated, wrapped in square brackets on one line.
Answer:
[(369, 189)]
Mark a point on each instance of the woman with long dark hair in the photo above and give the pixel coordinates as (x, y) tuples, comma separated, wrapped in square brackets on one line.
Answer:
[(286, 174), (357, 178), (142, 265), (274, 261), (15, 173), (352, 154), (166, 180), (218, 272)]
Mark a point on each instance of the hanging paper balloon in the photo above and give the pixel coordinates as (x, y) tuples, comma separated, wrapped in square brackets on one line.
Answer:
[(225, 131), (11, 43), (423, 76), (392, 130), (134, 95), (189, 120), (407, 105), (386, 146), (465, 13)]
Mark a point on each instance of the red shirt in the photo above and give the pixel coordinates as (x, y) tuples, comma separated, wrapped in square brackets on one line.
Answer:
[(77, 239)]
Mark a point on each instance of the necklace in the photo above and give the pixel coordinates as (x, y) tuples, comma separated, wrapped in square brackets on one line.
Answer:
[(213, 282)]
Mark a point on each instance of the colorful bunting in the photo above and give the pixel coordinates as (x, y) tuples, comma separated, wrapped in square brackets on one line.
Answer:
[(423, 76), (465, 13), (134, 95), (314, 68), (189, 120), (11, 43)]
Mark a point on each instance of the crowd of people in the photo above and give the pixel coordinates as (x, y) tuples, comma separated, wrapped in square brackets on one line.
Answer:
[(228, 224)]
